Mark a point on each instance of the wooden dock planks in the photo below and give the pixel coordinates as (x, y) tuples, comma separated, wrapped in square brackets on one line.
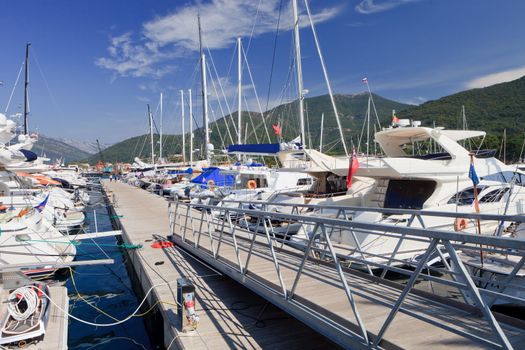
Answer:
[(228, 311)]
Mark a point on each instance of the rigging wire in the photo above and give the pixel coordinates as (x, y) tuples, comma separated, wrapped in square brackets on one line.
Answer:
[(222, 88), (273, 55), (14, 87), (256, 95)]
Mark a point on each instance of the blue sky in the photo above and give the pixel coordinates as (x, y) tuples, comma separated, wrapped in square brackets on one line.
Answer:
[(95, 64)]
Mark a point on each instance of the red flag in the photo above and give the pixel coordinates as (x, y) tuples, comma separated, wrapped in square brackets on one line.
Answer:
[(277, 130), (395, 119), (352, 168)]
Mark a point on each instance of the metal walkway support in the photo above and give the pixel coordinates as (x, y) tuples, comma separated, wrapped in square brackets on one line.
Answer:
[(299, 263)]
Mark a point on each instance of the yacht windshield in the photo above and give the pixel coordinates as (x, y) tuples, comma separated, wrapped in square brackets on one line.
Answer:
[(507, 176)]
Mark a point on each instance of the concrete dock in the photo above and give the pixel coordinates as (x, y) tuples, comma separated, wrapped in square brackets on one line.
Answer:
[(231, 316)]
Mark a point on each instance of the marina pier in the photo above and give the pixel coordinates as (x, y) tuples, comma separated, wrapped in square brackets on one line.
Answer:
[(351, 308), (231, 316)]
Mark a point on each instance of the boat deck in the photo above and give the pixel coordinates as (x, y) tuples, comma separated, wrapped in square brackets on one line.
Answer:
[(231, 316)]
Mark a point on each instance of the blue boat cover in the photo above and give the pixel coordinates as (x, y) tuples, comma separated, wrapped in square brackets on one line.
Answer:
[(252, 164), (215, 175), (30, 156), (175, 172), (267, 148)]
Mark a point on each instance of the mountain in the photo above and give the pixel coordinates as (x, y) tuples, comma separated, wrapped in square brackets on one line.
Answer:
[(55, 149), (351, 108), (86, 146), (491, 109)]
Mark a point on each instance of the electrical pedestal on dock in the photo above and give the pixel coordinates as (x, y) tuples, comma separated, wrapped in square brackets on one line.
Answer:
[(186, 304)]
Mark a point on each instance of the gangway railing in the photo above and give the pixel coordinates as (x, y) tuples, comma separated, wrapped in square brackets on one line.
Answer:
[(301, 244)]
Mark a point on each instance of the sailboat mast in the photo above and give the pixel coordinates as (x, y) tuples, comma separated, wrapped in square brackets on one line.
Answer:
[(239, 88), (206, 138), (160, 141), (190, 102), (183, 130), (368, 129), (26, 86), (150, 117), (321, 137), (205, 109), (299, 71)]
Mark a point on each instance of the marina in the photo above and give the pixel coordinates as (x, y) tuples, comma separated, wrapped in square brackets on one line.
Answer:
[(270, 174)]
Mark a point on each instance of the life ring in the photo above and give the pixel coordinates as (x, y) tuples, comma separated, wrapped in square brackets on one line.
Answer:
[(460, 224), (252, 185), (211, 184), (162, 245)]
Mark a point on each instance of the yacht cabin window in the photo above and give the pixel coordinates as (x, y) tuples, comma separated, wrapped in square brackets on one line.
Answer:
[(465, 197), (494, 195), (408, 194), (304, 181)]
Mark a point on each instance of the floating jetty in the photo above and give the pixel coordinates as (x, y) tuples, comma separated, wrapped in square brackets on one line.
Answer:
[(56, 330), (350, 308), (231, 315)]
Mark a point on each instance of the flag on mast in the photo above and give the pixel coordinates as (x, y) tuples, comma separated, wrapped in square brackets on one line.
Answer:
[(277, 130), (352, 168), (42, 205), (395, 119), (475, 181)]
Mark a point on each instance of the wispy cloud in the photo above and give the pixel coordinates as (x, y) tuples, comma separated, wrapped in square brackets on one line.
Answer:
[(127, 58), (175, 34), (415, 101), (496, 78), (367, 7)]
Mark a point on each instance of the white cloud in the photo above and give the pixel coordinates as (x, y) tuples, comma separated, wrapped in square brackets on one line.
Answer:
[(129, 59), (367, 7), (496, 78), (173, 35), (415, 101)]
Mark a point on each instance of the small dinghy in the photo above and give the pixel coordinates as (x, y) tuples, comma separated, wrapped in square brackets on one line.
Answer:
[(25, 314)]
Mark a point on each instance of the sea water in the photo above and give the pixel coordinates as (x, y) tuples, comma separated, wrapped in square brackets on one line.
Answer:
[(107, 288)]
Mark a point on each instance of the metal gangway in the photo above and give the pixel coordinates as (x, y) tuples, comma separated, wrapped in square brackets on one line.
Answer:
[(344, 291)]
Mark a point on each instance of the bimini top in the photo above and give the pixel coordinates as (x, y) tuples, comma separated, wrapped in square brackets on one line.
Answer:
[(392, 140), (214, 174)]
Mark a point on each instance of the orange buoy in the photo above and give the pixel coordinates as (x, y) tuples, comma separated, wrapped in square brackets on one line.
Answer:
[(460, 224)]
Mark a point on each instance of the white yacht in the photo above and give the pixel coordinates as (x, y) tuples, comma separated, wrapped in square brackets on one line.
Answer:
[(408, 179)]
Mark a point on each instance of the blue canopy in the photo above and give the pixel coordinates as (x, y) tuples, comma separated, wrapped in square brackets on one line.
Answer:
[(30, 156), (215, 175), (255, 148), (175, 172), (252, 164)]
